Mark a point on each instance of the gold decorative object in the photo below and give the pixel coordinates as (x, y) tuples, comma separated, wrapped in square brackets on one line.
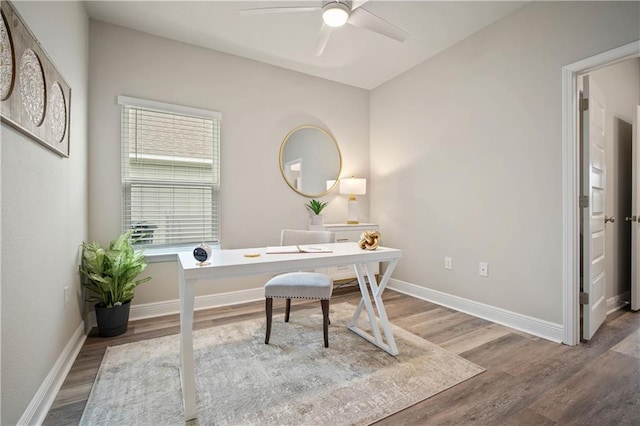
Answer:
[(369, 240), (35, 99)]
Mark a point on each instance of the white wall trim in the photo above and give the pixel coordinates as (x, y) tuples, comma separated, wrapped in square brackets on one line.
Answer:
[(165, 107), (537, 327), (531, 325), (570, 211), (170, 307), (43, 399), (571, 182), (156, 309)]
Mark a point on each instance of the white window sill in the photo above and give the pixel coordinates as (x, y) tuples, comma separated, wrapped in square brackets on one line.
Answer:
[(170, 253)]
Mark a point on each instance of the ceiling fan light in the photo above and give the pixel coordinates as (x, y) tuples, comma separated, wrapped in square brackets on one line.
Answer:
[(335, 14)]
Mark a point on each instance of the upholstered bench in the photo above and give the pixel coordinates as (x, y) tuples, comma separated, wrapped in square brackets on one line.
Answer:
[(300, 285)]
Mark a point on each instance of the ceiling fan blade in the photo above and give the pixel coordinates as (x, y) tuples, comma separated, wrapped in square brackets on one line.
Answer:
[(323, 38), (357, 3), (365, 19), (266, 10)]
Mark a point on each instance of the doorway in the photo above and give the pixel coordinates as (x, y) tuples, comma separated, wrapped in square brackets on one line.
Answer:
[(571, 181)]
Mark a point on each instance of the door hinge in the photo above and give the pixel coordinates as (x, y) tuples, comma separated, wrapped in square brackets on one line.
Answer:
[(584, 298), (584, 104), (584, 201)]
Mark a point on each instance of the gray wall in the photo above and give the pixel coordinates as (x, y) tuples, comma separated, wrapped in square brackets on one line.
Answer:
[(259, 103), (620, 84), (44, 208), (468, 155)]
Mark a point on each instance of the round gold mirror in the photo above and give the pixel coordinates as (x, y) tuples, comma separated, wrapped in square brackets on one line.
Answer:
[(310, 161)]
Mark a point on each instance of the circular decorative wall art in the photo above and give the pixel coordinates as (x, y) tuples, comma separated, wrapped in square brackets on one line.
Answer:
[(32, 86), (7, 63), (57, 112)]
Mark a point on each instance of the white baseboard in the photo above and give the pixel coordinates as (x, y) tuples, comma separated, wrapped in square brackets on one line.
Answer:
[(618, 302), (41, 403), (169, 307), (537, 327), (151, 310)]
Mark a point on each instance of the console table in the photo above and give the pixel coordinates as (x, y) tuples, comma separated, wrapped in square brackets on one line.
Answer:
[(233, 263)]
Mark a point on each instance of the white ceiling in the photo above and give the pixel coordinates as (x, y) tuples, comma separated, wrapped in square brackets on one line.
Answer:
[(354, 56)]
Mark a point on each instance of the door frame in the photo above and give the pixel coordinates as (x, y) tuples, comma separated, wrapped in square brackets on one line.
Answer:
[(571, 182)]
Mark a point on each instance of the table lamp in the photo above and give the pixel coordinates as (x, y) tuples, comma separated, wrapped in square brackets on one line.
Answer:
[(352, 187)]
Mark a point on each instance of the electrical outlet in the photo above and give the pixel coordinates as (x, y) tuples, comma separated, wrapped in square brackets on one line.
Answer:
[(448, 263), (483, 269), (66, 296)]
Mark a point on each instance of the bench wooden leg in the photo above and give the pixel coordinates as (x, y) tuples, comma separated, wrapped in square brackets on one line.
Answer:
[(287, 309), (325, 321), (269, 311)]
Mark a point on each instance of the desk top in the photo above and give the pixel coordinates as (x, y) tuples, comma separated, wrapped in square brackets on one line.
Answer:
[(229, 263)]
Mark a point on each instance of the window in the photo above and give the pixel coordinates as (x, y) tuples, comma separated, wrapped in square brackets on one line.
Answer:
[(170, 173)]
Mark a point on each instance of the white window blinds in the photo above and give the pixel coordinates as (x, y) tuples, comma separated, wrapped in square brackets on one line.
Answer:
[(170, 173)]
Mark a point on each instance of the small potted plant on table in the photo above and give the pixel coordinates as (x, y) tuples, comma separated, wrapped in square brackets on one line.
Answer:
[(110, 275), (316, 207)]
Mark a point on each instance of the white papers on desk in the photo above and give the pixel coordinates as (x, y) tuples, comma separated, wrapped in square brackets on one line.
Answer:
[(297, 249)]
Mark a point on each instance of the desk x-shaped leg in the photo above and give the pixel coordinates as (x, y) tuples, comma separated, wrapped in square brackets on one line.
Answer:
[(365, 302)]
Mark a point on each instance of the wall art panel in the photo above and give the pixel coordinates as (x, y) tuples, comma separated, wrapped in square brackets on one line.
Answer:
[(34, 98)]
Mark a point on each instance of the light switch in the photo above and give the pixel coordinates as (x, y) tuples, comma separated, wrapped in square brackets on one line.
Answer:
[(448, 263)]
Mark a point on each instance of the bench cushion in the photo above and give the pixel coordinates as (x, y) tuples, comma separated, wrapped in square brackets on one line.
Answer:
[(300, 285)]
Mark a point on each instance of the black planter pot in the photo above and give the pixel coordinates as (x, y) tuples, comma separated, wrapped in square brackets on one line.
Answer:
[(112, 321)]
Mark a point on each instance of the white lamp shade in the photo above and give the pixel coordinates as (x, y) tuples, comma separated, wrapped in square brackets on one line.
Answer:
[(355, 186)]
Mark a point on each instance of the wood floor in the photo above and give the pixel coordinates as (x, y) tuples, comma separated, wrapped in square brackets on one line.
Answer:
[(529, 381)]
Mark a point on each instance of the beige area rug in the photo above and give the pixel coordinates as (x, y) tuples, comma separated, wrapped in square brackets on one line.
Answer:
[(292, 381)]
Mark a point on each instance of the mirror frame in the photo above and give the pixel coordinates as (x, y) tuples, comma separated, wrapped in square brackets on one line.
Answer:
[(280, 160)]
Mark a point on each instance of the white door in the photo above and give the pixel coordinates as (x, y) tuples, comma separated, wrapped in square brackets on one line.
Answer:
[(594, 180), (635, 212)]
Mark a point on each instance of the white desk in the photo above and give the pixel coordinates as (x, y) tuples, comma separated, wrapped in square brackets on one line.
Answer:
[(233, 263)]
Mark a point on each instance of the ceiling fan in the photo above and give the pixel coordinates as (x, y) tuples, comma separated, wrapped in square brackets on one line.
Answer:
[(336, 13)]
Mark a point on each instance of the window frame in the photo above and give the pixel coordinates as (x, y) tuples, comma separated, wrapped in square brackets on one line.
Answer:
[(167, 252)]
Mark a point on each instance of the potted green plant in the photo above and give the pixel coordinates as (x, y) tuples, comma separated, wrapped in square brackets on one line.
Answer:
[(315, 208), (110, 275)]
